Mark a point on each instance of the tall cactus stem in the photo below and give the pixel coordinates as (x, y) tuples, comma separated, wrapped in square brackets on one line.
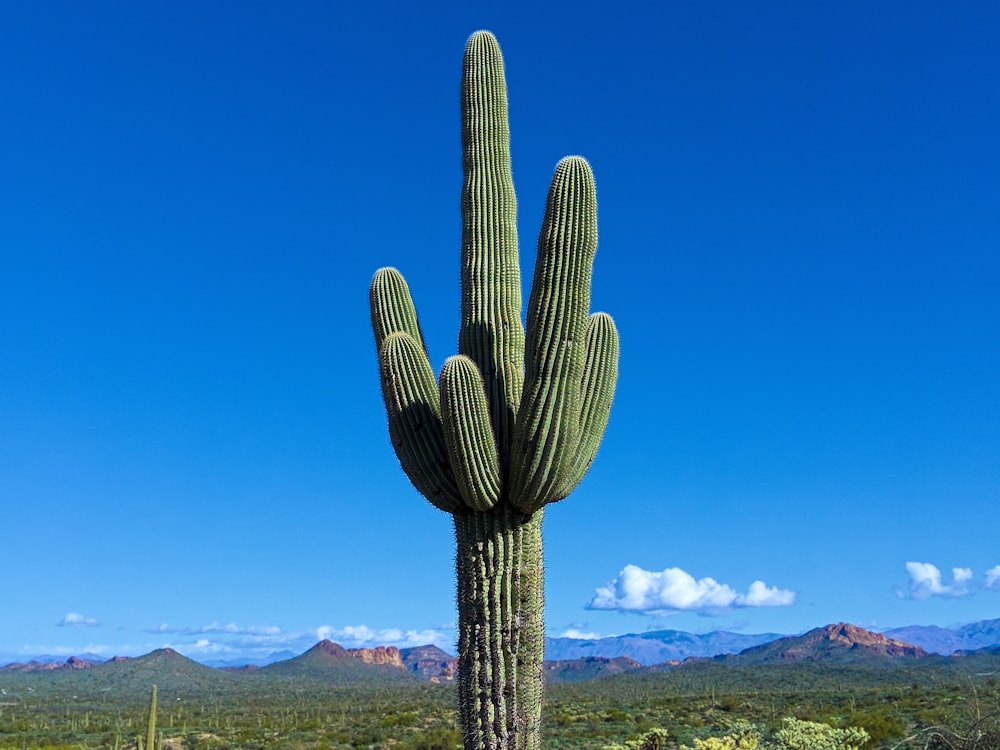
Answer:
[(491, 333), (500, 630), (151, 721)]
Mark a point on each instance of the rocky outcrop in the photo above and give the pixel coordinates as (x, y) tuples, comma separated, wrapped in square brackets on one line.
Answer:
[(383, 655), (854, 637)]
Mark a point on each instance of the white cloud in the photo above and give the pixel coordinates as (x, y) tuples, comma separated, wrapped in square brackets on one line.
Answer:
[(993, 578), (926, 581), (579, 634), (205, 647), (638, 590), (76, 620), (762, 595)]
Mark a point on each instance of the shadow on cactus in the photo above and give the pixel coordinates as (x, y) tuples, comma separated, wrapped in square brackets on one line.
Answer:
[(516, 417)]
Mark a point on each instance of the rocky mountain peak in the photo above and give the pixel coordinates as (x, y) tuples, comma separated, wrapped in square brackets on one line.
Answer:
[(329, 648), (853, 636)]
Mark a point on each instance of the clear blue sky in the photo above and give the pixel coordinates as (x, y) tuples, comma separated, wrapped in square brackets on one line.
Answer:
[(800, 223)]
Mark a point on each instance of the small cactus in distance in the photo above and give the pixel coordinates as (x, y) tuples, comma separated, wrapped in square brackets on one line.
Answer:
[(150, 723), (516, 417)]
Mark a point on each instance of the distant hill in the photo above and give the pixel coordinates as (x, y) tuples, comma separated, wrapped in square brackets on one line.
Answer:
[(976, 635), (842, 642), (656, 646), (430, 663), (587, 668), (250, 662), (73, 662), (174, 674), (332, 663)]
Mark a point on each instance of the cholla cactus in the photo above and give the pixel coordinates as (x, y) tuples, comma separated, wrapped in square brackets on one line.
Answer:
[(518, 414), (654, 739), (796, 734), (744, 736)]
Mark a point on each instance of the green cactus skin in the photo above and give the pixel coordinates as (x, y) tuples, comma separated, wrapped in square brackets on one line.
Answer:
[(151, 723), (518, 414)]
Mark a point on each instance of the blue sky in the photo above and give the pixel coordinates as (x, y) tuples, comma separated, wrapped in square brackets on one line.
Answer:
[(798, 242)]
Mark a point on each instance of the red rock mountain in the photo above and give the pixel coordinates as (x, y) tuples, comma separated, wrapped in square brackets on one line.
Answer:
[(388, 655), (841, 641), (331, 662), (71, 663), (430, 662), (855, 637)]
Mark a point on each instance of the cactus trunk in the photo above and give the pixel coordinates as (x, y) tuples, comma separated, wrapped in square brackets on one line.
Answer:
[(500, 629), (516, 417), (151, 721)]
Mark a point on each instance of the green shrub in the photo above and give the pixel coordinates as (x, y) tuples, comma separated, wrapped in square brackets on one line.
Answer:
[(437, 738)]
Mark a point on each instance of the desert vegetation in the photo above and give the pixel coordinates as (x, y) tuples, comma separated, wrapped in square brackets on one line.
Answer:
[(931, 708)]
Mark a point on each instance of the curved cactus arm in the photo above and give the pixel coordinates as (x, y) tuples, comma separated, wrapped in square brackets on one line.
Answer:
[(392, 307), (600, 376), (465, 416), (413, 407), (555, 354), (491, 333)]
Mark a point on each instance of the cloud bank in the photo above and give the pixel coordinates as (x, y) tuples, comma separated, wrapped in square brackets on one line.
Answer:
[(674, 590), (926, 580), (361, 636), (230, 629), (232, 643)]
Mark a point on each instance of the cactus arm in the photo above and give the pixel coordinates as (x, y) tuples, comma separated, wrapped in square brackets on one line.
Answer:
[(465, 416), (392, 307), (491, 333), (596, 394), (413, 408), (555, 355)]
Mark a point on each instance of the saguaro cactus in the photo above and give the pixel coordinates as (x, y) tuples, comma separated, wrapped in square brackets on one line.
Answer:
[(150, 723), (516, 419)]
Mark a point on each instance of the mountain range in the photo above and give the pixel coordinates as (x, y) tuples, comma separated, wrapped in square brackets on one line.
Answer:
[(655, 647), (575, 660)]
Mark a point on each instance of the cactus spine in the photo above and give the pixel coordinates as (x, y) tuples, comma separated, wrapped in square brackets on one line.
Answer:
[(518, 414)]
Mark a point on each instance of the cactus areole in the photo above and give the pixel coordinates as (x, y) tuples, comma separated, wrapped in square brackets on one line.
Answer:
[(515, 419)]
